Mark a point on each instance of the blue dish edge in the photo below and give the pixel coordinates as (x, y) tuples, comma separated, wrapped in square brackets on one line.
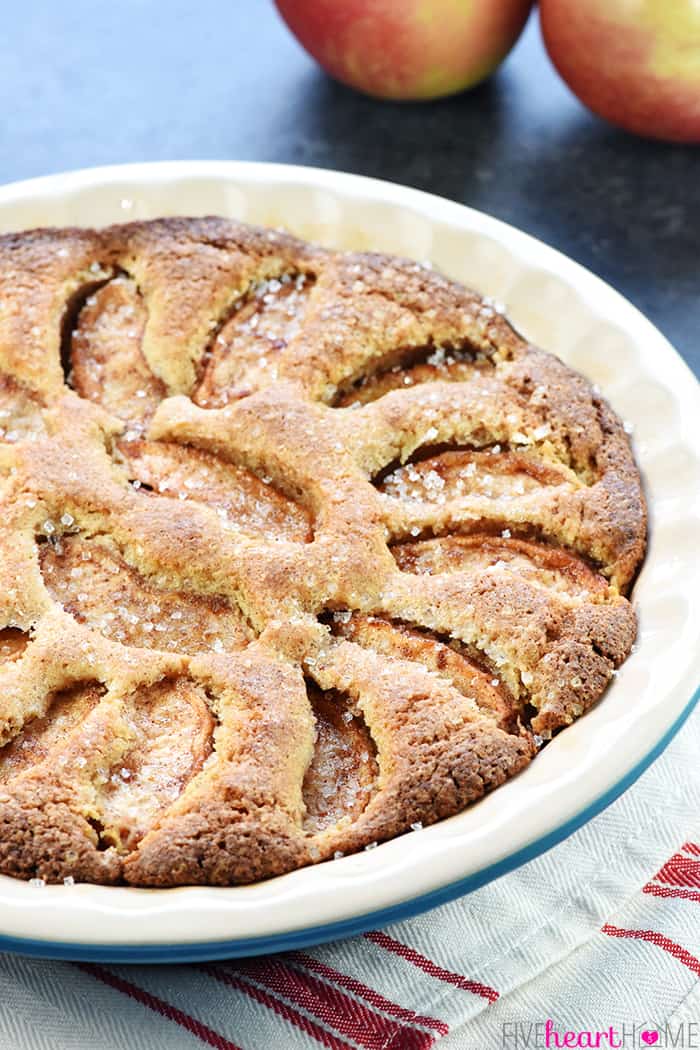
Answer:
[(313, 935)]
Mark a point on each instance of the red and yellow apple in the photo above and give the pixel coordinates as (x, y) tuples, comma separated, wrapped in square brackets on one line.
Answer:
[(634, 62), (407, 49)]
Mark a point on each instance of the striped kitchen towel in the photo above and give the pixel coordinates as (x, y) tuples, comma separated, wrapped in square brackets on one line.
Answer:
[(599, 939)]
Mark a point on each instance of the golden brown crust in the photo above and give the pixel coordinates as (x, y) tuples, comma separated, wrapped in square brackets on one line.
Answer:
[(299, 550)]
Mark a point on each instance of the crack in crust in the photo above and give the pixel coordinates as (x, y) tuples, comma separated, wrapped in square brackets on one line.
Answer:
[(300, 550)]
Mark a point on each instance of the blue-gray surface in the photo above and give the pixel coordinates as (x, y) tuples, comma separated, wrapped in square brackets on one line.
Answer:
[(85, 83)]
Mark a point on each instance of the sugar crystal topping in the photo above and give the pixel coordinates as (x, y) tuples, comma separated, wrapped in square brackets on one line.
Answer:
[(300, 551)]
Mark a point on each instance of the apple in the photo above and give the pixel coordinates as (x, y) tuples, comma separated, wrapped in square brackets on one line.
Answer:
[(634, 62), (407, 49)]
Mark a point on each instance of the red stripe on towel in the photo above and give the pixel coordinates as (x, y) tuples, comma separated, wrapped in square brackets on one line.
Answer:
[(159, 1006), (261, 995), (373, 997), (670, 892), (348, 1017), (680, 871), (653, 937), (429, 967)]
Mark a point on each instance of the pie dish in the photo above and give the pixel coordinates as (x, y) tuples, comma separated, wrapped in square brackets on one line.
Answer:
[(558, 306), (301, 550)]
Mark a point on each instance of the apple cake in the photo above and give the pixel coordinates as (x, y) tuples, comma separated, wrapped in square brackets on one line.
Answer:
[(300, 550)]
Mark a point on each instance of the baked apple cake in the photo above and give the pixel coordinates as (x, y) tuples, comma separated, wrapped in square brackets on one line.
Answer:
[(300, 550)]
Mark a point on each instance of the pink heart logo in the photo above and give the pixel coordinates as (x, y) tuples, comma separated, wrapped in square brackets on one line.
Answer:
[(650, 1037)]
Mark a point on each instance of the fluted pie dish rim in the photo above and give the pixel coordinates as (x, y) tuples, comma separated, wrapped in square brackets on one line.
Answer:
[(558, 306)]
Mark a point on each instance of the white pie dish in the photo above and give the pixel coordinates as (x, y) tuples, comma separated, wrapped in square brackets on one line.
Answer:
[(559, 306)]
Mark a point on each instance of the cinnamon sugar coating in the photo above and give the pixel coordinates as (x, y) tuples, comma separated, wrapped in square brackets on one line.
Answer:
[(299, 549)]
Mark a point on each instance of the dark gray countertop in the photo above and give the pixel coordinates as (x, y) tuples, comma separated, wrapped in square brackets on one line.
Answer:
[(85, 83)]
